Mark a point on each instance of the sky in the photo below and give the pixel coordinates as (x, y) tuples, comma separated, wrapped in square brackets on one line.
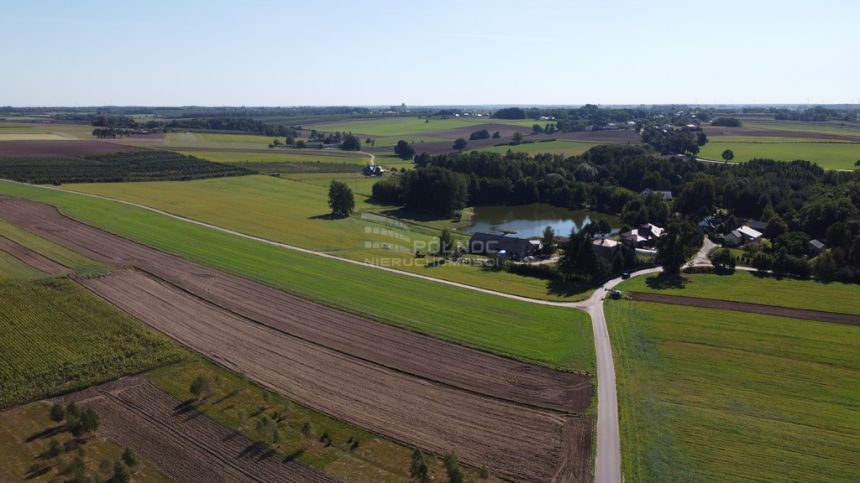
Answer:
[(467, 52)]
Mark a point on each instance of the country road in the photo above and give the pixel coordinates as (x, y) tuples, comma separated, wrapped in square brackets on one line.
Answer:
[(608, 457)]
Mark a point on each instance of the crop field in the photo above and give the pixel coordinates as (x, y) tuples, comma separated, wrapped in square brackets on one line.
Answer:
[(566, 148), (847, 129), (409, 126), (549, 335), (712, 395), (59, 254), (217, 140), (119, 166), (82, 341), (292, 210), (279, 156), (21, 453), (25, 131), (13, 269), (827, 153), (749, 287)]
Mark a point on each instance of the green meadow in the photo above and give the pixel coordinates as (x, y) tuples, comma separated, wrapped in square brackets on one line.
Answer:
[(749, 287), (711, 395), (847, 129), (548, 335), (830, 154), (293, 210), (409, 126)]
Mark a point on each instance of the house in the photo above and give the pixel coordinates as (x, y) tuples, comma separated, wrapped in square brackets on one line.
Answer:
[(501, 245), (742, 235), (606, 247), (373, 170), (709, 224), (645, 235), (815, 247), (667, 195), (757, 225)]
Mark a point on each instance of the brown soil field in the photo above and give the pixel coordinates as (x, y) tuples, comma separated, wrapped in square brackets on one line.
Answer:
[(717, 131), (804, 314), (182, 443), (437, 395), (31, 258), (608, 137), (515, 441), (43, 149)]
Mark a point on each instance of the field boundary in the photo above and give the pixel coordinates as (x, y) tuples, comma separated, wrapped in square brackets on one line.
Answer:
[(774, 310)]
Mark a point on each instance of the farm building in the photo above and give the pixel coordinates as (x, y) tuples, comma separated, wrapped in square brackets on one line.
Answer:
[(757, 225), (605, 247), (742, 235), (709, 224), (490, 244), (645, 235), (815, 247), (667, 195)]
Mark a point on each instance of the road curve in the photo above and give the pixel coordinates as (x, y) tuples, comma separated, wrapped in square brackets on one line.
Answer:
[(608, 457)]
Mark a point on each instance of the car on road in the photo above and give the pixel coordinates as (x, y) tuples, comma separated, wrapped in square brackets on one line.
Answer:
[(625, 275)]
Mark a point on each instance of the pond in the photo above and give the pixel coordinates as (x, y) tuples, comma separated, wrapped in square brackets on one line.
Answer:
[(529, 221)]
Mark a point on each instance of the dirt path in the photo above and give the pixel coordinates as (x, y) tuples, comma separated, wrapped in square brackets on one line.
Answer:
[(804, 314), (184, 444), (31, 258)]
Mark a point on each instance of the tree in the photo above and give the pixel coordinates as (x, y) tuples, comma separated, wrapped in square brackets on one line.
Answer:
[(404, 150), (418, 470), (517, 138), (698, 198), (200, 387), (775, 227), (58, 413), (445, 243), (537, 129), (452, 467), (129, 458), (481, 134), (460, 144), (120, 473), (351, 143), (434, 190), (728, 155), (548, 240), (857, 163), (496, 135), (340, 199), (87, 422), (676, 245), (579, 261), (724, 261)]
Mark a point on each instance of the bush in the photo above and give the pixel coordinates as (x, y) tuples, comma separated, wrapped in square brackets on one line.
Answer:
[(120, 473), (200, 387), (129, 458), (543, 272), (452, 467), (58, 413), (54, 449)]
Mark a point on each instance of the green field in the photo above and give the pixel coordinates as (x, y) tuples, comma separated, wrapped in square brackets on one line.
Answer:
[(25, 131), (709, 395), (13, 269), (292, 209), (846, 129), (56, 336), (239, 404), (549, 335), (750, 287), (73, 260), (278, 156), (830, 154), (20, 453), (409, 126), (567, 148)]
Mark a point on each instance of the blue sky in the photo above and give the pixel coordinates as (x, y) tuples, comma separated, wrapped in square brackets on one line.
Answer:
[(328, 52)]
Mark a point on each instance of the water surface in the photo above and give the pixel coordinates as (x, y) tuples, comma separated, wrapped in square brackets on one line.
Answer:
[(529, 221)]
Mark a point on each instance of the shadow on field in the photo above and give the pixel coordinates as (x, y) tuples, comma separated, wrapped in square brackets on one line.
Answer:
[(663, 282)]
